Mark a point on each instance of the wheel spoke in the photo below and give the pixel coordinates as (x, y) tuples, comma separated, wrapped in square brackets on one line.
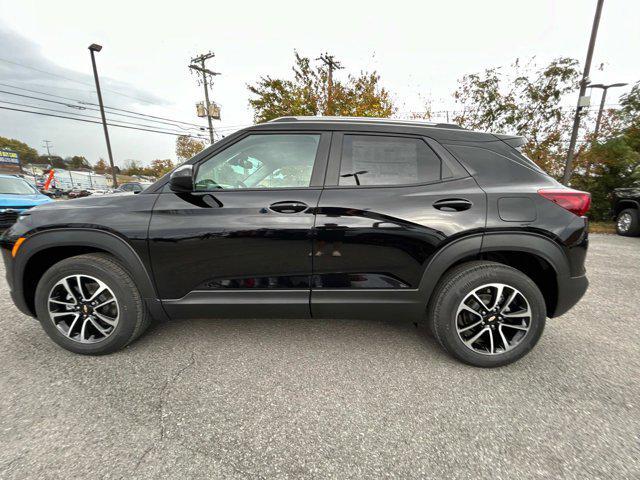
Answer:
[(101, 288), (469, 327), (73, 324), (98, 327), (473, 339), (479, 300), (499, 289), (79, 281), (491, 344), (67, 287), (503, 338), (109, 321), (469, 309), (511, 298), (524, 314), (107, 302), (61, 314), (517, 327), (59, 302)]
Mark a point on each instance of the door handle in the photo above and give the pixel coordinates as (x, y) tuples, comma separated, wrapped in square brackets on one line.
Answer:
[(288, 207), (453, 204)]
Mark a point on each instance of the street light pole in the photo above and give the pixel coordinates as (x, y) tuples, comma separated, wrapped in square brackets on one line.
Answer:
[(583, 88), (96, 48), (604, 88)]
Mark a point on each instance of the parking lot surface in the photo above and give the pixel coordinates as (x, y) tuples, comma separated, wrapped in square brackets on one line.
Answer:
[(331, 399)]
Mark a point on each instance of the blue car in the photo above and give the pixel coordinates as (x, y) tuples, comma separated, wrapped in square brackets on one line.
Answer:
[(17, 195)]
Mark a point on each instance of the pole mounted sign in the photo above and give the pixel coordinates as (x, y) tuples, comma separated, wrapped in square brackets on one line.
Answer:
[(9, 157)]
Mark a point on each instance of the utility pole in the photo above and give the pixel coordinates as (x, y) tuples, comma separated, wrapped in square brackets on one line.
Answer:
[(332, 65), (198, 64), (602, 100), (96, 48), (583, 88), (47, 144)]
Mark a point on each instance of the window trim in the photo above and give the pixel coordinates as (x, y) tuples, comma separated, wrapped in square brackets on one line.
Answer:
[(317, 173), (332, 178)]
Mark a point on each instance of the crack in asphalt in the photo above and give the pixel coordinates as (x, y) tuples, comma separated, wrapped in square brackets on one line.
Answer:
[(161, 406)]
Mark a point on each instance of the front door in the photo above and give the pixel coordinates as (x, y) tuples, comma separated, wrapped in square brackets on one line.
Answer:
[(240, 243)]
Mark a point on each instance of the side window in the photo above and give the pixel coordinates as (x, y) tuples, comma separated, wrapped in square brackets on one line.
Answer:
[(380, 160), (261, 161)]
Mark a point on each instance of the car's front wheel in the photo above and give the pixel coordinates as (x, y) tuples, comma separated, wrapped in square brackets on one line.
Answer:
[(487, 314), (628, 223), (89, 304)]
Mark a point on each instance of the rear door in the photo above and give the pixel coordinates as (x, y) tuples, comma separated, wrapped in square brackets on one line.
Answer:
[(389, 203), (240, 243)]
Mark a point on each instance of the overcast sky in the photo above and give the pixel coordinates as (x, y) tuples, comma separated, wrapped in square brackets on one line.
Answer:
[(419, 48)]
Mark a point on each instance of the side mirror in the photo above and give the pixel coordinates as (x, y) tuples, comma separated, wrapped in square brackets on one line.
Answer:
[(181, 179)]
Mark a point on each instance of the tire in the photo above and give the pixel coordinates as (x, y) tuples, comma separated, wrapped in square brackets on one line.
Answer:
[(127, 315), (458, 285), (628, 223)]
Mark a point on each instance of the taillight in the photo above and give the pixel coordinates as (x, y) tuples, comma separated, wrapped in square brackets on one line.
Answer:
[(575, 201)]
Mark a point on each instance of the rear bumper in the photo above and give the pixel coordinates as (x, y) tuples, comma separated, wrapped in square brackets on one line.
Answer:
[(570, 291)]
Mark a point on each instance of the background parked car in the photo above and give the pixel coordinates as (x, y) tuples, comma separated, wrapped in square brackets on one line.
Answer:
[(135, 187), (17, 195), (626, 211), (78, 193)]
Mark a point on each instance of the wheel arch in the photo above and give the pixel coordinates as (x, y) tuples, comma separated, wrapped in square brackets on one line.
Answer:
[(624, 204), (538, 257), (43, 249)]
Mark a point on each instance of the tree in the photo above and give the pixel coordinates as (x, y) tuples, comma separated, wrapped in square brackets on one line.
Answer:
[(26, 154), (306, 94), (78, 162), (54, 160), (159, 168), (101, 166), (132, 167), (525, 100), (187, 147)]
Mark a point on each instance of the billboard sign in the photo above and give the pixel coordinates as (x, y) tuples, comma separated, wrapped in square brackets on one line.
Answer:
[(9, 157)]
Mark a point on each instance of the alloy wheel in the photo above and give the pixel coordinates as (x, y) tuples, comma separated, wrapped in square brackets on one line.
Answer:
[(83, 308), (493, 319), (624, 222)]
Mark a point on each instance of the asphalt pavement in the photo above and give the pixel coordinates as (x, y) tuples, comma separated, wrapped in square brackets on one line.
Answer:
[(331, 399)]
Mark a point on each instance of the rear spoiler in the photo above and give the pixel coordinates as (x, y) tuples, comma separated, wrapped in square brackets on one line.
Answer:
[(511, 140)]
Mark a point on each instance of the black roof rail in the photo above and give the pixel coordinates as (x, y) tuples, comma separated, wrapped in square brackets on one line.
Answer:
[(396, 121)]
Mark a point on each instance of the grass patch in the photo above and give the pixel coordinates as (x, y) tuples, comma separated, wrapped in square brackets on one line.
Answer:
[(602, 227)]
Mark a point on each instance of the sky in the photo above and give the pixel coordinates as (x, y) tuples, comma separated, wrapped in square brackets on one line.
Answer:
[(420, 49)]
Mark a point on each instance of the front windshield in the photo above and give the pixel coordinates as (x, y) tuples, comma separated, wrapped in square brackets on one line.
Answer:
[(15, 186)]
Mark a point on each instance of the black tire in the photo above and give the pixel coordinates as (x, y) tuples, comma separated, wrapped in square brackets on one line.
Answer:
[(632, 228), (133, 315), (461, 281)]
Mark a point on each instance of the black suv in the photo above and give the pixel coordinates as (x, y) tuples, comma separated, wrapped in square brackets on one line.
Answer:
[(316, 218), (626, 211)]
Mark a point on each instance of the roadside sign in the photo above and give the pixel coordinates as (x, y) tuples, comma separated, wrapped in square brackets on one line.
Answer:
[(9, 157)]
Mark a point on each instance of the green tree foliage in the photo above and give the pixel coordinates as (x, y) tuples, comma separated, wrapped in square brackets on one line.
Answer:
[(187, 147), (306, 94), (54, 160), (78, 162), (522, 100), (101, 166), (613, 160), (25, 152)]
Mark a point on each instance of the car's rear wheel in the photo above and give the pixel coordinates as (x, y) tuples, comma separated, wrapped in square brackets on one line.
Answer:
[(89, 304), (487, 314), (628, 223)]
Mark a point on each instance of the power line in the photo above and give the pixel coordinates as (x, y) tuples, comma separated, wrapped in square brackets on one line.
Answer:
[(72, 80), (93, 104), (98, 122), (76, 114)]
